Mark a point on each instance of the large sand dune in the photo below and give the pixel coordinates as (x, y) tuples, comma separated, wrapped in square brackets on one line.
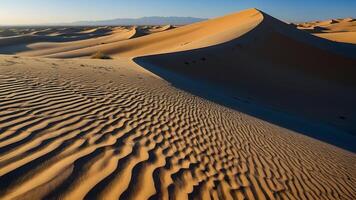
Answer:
[(118, 129)]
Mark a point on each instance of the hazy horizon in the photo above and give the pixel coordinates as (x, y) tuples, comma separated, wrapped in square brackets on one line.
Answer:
[(35, 12)]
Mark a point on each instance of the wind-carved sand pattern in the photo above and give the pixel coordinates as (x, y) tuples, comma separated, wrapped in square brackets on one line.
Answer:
[(80, 131)]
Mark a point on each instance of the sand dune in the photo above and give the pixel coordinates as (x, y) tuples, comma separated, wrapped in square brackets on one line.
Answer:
[(21, 41), (346, 37), (339, 30), (52, 48), (276, 64), (111, 129), (193, 36), (57, 40), (333, 25), (156, 29)]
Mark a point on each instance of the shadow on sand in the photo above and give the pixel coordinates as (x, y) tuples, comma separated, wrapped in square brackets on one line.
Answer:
[(318, 130), (275, 73)]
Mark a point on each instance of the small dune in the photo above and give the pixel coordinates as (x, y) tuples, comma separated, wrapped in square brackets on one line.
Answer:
[(339, 30)]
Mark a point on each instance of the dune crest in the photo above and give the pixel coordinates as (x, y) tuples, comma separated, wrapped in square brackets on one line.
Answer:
[(198, 35)]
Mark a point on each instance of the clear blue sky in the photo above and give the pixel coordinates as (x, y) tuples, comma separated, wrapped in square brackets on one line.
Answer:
[(52, 11)]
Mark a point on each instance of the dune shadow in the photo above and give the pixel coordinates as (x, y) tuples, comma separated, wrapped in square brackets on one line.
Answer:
[(217, 94), (13, 49)]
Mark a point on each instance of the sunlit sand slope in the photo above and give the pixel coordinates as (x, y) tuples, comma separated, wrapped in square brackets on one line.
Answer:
[(198, 35), (330, 26), (43, 41), (347, 37), (75, 129), (339, 30)]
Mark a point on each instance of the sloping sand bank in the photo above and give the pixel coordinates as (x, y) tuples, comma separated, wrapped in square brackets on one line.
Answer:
[(346, 37)]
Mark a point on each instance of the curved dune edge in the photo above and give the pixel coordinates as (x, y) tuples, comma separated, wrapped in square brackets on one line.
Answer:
[(198, 35), (74, 129)]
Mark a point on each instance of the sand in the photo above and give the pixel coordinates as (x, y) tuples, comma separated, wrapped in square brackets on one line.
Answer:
[(85, 128), (339, 30), (346, 37)]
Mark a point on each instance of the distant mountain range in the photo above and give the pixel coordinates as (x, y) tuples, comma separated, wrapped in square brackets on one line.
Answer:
[(139, 21)]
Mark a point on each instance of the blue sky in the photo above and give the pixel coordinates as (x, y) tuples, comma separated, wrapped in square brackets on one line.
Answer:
[(52, 11)]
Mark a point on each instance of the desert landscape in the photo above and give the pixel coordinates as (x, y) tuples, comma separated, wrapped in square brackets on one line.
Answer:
[(243, 106)]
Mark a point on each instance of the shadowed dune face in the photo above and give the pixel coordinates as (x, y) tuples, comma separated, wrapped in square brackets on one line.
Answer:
[(74, 129), (278, 65), (118, 129)]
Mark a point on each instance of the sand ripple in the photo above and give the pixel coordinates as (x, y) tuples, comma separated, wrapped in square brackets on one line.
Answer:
[(75, 129)]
